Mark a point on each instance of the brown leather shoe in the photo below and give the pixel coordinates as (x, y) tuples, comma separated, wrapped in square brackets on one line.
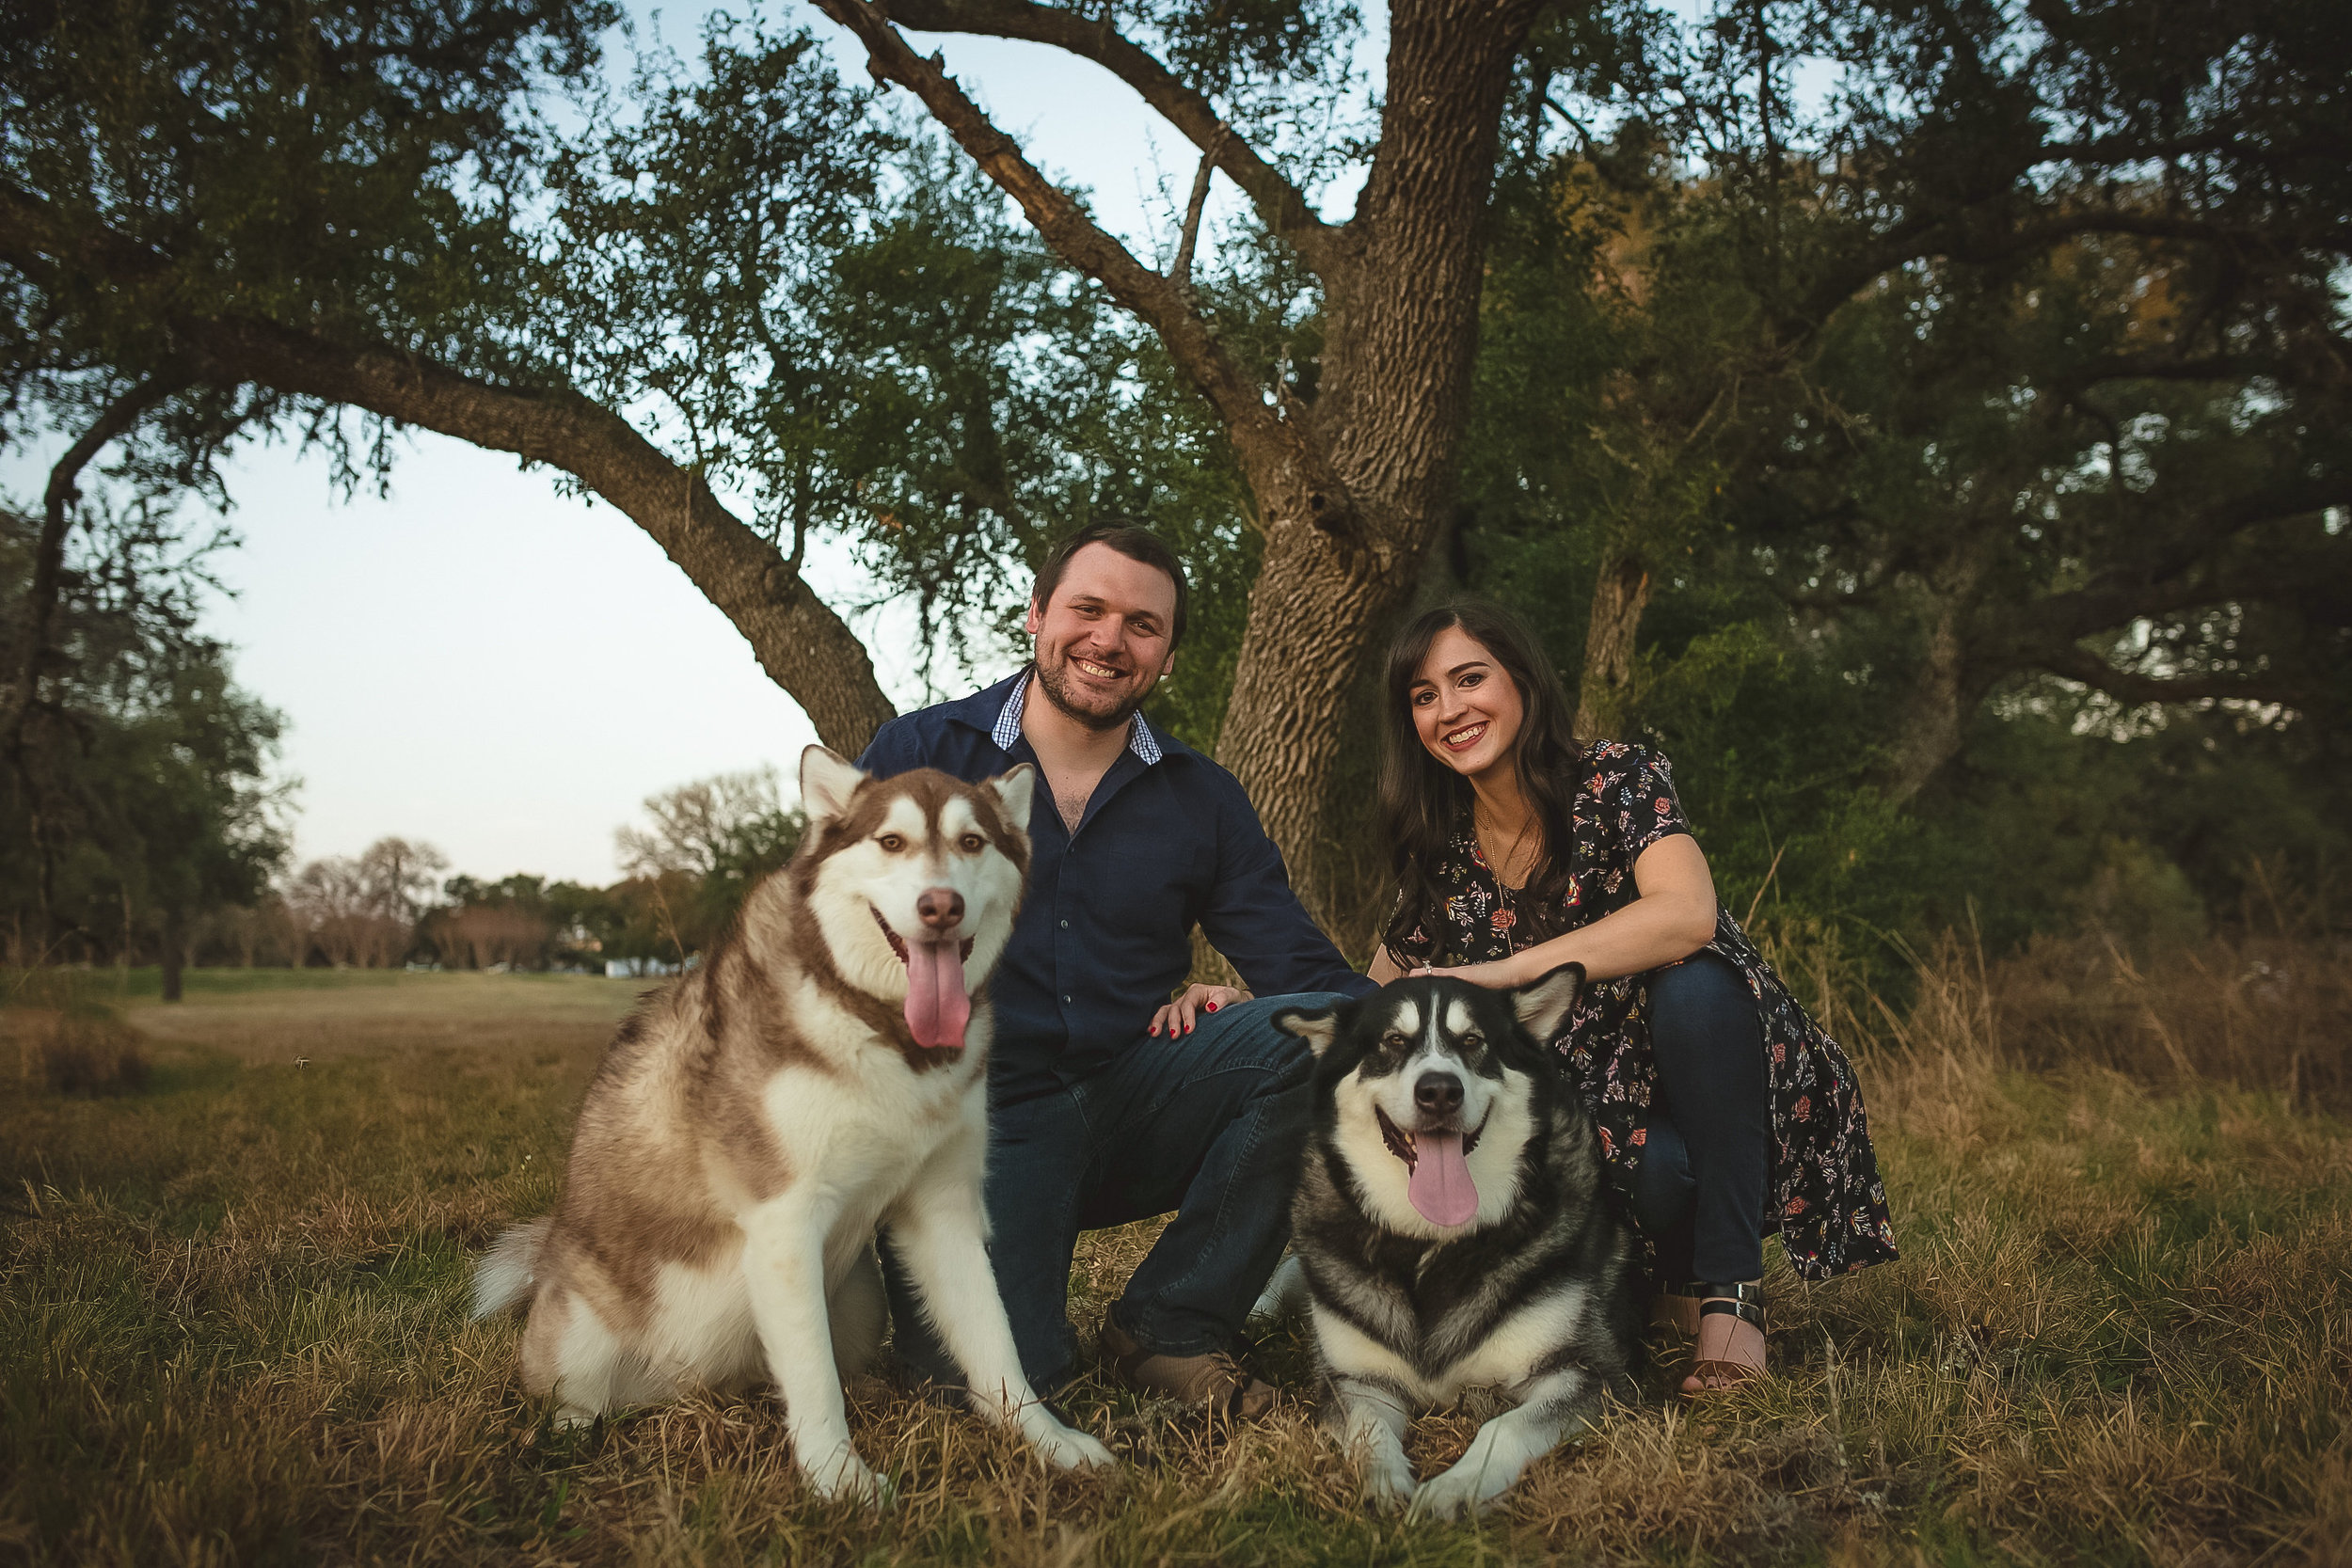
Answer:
[(1215, 1383)]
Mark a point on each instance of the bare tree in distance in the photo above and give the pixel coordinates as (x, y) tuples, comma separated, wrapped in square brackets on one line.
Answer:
[(400, 877), (696, 827), (362, 912)]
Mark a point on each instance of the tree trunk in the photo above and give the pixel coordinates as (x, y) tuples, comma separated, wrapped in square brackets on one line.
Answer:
[(175, 950), (1934, 716), (1946, 688), (1620, 594), (1403, 283)]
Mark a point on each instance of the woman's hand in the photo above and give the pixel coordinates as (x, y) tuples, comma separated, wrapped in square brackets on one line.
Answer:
[(1178, 1016), (1499, 975)]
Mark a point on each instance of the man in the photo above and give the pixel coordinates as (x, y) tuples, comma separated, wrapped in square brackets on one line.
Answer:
[(1108, 1101)]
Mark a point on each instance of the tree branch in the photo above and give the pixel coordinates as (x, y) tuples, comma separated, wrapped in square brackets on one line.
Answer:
[(1180, 270), (1954, 234), (805, 647), (2162, 584), (40, 599), (2128, 685), (1263, 441), (1279, 204)]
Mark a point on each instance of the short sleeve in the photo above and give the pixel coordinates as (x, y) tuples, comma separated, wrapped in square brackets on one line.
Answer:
[(1649, 809)]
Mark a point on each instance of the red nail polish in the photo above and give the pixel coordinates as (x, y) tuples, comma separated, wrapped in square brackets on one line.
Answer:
[(1212, 1006)]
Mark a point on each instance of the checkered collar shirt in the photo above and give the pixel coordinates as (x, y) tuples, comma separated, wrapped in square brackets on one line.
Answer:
[(1007, 730)]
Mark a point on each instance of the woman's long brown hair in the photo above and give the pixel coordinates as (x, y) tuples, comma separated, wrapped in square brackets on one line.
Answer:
[(1423, 803)]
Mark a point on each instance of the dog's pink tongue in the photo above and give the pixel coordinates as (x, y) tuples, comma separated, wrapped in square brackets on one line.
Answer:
[(1441, 1186), (938, 1006)]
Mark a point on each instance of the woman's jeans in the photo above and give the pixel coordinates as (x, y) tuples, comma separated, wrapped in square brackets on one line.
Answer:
[(1699, 1189)]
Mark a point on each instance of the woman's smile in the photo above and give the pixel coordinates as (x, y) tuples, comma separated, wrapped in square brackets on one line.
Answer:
[(1466, 710)]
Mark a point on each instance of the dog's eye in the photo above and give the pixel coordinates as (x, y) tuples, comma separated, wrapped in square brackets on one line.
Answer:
[(971, 843), (1473, 1043), (1393, 1041), (892, 843)]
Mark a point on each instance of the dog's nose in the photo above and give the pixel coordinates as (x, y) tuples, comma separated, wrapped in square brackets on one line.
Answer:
[(1438, 1094), (942, 908)]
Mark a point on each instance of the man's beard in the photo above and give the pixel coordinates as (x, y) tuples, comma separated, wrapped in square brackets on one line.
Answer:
[(1050, 680)]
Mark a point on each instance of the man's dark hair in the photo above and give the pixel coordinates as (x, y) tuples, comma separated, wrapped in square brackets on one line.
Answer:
[(1130, 539)]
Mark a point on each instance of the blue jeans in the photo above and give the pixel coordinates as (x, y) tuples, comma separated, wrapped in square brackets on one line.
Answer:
[(1209, 1125), (1698, 1192)]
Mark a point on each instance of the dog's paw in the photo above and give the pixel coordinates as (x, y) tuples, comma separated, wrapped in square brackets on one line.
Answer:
[(1461, 1493), (1067, 1449), (1388, 1488), (842, 1476)]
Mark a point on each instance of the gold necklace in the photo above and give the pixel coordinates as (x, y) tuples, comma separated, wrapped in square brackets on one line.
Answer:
[(1507, 896)]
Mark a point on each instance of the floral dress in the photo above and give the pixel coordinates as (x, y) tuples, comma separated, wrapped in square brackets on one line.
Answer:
[(1823, 1193)]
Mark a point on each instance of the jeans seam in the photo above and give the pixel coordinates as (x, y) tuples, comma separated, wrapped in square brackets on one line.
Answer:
[(1218, 1225)]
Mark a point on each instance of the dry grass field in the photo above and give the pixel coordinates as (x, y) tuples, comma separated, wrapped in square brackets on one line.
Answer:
[(232, 1324)]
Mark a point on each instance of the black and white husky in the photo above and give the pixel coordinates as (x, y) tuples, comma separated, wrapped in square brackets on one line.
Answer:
[(1451, 1233)]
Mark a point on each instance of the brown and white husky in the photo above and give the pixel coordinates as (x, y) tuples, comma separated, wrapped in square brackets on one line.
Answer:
[(824, 1071)]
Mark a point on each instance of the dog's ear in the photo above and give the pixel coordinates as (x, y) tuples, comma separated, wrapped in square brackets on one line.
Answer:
[(1317, 1026), (827, 781), (1542, 1006), (1014, 789)]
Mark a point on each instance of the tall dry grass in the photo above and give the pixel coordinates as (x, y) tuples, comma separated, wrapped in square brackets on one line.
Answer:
[(232, 1330)]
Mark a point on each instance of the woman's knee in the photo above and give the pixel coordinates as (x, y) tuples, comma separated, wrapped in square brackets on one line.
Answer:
[(1702, 1000)]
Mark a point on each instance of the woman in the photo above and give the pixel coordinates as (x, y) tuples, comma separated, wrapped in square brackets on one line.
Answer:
[(1723, 1110)]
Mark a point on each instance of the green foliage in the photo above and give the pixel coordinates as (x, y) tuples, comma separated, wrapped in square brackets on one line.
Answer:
[(355, 168), (138, 792), (1977, 426)]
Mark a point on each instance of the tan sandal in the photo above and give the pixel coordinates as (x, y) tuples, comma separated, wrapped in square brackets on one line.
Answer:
[(1737, 1299)]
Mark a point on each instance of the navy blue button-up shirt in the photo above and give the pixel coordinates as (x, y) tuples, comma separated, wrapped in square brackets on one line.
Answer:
[(1169, 842)]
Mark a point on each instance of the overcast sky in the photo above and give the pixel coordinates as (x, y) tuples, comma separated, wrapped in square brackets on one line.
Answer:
[(503, 672)]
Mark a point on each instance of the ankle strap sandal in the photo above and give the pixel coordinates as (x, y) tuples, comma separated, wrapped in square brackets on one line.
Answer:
[(1733, 1299)]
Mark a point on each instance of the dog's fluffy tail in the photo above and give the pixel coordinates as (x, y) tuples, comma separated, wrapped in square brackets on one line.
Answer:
[(503, 1278), (1285, 1294)]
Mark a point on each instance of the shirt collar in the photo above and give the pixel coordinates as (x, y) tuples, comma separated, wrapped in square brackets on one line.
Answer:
[(1007, 730)]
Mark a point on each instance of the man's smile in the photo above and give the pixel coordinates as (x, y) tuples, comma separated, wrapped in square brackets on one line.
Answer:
[(1098, 672)]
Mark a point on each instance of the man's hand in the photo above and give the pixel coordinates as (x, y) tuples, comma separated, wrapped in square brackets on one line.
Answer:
[(1178, 1016)]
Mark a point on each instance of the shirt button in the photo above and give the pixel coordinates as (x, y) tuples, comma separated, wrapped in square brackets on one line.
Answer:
[(1064, 1002), (1065, 924)]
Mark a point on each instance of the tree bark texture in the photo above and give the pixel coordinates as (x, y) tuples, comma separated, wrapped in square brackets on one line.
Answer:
[(1390, 410), (1350, 485), (799, 641), (1620, 594)]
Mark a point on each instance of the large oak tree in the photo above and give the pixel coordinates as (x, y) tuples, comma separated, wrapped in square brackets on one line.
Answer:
[(233, 216)]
